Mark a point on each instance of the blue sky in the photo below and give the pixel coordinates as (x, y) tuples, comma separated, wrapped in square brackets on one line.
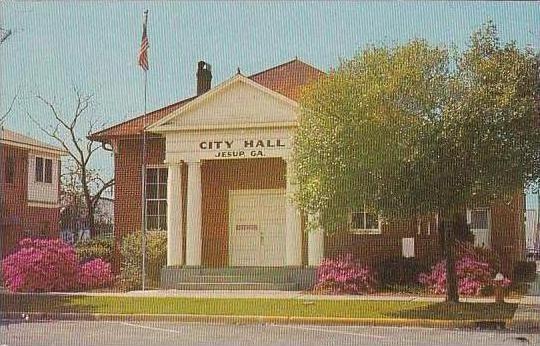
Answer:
[(94, 44)]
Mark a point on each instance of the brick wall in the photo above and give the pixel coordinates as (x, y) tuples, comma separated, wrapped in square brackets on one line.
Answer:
[(508, 231), (127, 190), (375, 248), (16, 217), (220, 176)]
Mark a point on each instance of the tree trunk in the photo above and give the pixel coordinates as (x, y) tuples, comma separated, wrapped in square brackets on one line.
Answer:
[(451, 275), (452, 294), (91, 222)]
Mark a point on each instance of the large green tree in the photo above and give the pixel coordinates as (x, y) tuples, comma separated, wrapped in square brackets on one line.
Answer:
[(414, 129)]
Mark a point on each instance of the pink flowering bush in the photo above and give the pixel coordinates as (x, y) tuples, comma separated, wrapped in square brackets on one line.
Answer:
[(95, 274), (475, 276), (44, 265), (41, 265), (344, 276)]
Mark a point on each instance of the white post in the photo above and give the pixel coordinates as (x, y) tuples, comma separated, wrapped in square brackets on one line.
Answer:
[(174, 215), (194, 215), (293, 231), (315, 244)]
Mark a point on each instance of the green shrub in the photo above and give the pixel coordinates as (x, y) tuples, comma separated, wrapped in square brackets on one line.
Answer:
[(525, 271), (131, 266), (95, 248), (401, 271)]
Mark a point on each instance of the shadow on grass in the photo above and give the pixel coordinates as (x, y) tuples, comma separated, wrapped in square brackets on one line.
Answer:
[(458, 311), (49, 303)]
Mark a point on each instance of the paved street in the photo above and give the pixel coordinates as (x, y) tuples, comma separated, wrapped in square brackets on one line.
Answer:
[(164, 334)]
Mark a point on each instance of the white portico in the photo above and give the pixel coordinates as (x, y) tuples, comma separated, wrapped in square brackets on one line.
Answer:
[(236, 121)]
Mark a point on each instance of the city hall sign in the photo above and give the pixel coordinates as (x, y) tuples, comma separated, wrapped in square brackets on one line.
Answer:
[(243, 148)]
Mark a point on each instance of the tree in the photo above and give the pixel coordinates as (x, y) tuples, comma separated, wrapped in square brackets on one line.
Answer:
[(4, 34), (71, 133), (74, 211), (412, 129), (3, 117)]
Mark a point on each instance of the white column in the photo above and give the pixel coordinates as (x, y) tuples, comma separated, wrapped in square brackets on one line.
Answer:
[(293, 222), (174, 215), (315, 243), (194, 215)]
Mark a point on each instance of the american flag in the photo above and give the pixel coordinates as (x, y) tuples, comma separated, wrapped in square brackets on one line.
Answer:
[(143, 51)]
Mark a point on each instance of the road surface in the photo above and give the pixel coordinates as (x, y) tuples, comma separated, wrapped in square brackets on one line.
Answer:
[(79, 333)]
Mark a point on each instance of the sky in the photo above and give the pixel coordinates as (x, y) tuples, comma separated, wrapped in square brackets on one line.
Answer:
[(94, 45)]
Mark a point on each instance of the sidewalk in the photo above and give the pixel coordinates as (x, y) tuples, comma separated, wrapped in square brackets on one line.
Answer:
[(525, 319), (171, 293), (527, 315)]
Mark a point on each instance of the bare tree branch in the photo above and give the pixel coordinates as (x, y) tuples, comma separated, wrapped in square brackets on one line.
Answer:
[(81, 183), (4, 34), (10, 108)]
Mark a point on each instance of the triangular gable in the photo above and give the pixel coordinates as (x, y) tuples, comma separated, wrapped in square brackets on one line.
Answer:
[(237, 102)]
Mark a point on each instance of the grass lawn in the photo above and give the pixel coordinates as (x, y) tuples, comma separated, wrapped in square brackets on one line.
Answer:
[(256, 307)]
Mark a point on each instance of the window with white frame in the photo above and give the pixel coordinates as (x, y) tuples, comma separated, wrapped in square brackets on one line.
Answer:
[(427, 224), (364, 222), (479, 221), (156, 198), (43, 170)]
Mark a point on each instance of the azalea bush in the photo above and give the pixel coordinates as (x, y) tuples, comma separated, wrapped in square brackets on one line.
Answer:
[(343, 275), (95, 274), (480, 253), (45, 265), (475, 277), (41, 265)]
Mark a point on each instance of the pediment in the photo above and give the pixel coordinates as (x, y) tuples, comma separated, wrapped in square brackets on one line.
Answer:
[(238, 102)]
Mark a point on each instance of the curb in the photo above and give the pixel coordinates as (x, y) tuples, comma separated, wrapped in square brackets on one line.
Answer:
[(526, 325), (249, 319)]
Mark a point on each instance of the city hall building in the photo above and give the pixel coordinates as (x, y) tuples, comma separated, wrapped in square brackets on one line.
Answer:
[(219, 179)]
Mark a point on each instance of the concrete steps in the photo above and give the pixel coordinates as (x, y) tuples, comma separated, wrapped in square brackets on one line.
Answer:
[(230, 279), (238, 278), (235, 286)]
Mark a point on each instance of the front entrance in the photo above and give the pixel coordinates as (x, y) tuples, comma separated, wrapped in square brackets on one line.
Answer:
[(257, 227)]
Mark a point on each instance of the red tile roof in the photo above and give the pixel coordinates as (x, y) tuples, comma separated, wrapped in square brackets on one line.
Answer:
[(286, 79)]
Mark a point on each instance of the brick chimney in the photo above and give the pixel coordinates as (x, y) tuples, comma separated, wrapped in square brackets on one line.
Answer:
[(204, 77)]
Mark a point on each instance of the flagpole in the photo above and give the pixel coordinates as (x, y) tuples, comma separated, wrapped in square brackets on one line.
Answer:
[(143, 174), (144, 224)]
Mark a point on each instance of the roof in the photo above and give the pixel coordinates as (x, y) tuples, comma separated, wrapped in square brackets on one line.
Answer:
[(286, 79), (134, 126), (16, 139)]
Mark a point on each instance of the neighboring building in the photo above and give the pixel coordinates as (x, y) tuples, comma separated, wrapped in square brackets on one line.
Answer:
[(73, 224), (105, 217), (219, 177), (29, 188), (532, 231)]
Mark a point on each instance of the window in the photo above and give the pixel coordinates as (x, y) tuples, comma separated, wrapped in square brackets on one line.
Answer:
[(43, 170), (479, 225), (365, 222), (427, 224), (39, 169), (10, 169), (48, 170), (156, 198), (479, 219)]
